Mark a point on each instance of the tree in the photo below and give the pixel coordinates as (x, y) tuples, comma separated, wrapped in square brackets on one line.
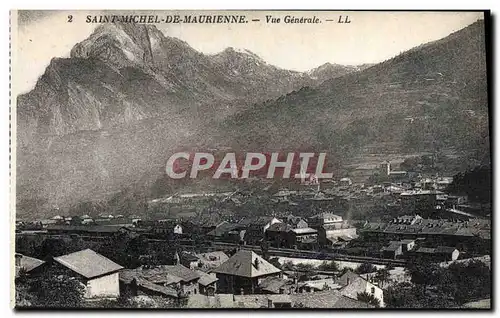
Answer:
[(369, 299), (366, 268), (408, 295), (423, 273), (264, 246), (275, 262), (54, 290), (382, 276), (328, 266)]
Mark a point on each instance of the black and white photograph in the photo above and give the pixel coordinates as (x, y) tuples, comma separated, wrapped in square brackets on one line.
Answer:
[(251, 159)]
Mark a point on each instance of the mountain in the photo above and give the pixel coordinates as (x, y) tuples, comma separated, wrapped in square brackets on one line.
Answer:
[(329, 70), (112, 112), (107, 118), (431, 97)]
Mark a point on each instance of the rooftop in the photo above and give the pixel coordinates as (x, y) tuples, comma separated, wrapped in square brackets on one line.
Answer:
[(28, 263), (88, 263), (161, 274), (305, 230), (246, 263)]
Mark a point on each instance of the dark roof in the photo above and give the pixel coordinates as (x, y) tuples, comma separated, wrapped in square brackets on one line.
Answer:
[(349, 275), (426, 250), (294, 220), (161, 274), (279, 227), (445, 249), (407, 241), (164, 290), (186, 256), (224, 228), (243, 264), (394, 246), (28, 263), (258, 220), (320, 299), (206, 279), (272, 284), (212, 260), (476, 227), (88, 263), (327, 299)]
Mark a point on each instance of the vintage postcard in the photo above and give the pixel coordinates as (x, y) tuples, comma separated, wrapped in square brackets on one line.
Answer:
[(251, 159)]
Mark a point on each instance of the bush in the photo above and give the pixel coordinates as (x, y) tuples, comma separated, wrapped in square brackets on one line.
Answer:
[(366, 268), (328, 266)]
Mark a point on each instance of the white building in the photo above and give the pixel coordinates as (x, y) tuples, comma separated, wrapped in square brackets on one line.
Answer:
[(98, 273)]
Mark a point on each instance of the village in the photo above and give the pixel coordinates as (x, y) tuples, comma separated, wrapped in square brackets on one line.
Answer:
[(323, 244)]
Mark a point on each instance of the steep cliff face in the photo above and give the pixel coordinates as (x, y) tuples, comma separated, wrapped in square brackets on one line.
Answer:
[(125, 73)]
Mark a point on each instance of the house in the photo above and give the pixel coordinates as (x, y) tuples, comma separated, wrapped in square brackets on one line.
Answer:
[(397, 248), (321, 219), (207, 283), (98, 273), (276, 285), (331, 232), (277, 234), (28, 265), (133, 285), (447, 253), (452, 201), (303, 238), (256, 228), (177, 277), (353, 284), (227, 232), (407, 245), (210, 222), (419, 200), (189, 260), (211, 260), (263, 222), (168, 227), (438, 254), (392, 251), (296, 222), (243, 272)]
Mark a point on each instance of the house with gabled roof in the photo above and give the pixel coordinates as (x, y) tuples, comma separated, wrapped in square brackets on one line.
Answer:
[(353, 284), (243, 272), (98, 273)]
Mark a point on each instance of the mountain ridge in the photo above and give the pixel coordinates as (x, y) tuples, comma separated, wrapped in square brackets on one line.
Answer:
[(102, 120)]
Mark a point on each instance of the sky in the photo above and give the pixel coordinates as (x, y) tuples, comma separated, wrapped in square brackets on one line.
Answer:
[(371, 37)]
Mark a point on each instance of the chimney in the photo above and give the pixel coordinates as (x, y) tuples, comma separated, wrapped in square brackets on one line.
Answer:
[(256, 263), (18, 260), (348, 280), (269, 303)]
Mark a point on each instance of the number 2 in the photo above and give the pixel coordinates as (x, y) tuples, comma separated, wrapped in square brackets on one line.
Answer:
[(70, 18)]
